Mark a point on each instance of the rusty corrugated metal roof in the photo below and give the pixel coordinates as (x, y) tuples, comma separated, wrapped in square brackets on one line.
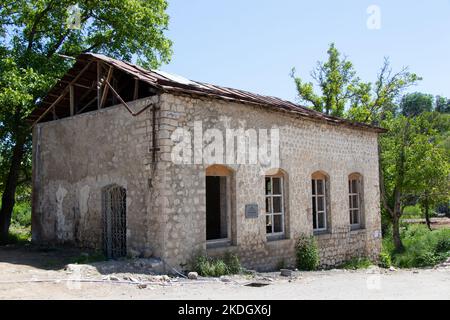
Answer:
[(179, 85)]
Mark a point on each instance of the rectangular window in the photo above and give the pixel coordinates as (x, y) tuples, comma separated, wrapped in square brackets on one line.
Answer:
[(354, 203), (274, 206), (319, 205)]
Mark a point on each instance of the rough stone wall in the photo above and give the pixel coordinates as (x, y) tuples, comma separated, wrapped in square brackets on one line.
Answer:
[(305, 147), (74, 158)]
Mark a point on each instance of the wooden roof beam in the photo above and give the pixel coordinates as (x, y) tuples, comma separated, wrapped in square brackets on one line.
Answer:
[(66, 89)]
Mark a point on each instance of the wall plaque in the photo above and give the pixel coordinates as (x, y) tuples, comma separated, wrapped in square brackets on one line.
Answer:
[(251, 210)]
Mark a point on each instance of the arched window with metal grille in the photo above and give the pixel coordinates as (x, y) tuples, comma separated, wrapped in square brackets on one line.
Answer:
[(114, 207)]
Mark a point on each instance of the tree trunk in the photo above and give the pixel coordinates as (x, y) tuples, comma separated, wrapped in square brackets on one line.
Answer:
[(427, 213), (396, 233), (8, 198)]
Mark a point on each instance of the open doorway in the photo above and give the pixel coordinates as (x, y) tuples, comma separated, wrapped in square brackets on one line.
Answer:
[(214, 216), (218, 204)]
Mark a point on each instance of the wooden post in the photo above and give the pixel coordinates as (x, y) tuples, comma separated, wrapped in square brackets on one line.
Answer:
[(105, 88), (99, 89), (72, 99), (136, 89), (114, 84)]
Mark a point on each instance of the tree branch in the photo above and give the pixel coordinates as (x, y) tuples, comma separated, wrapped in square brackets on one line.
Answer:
[(36, 23)]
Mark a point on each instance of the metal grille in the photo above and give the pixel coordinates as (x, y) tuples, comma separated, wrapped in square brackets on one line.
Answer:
[(114, 199)]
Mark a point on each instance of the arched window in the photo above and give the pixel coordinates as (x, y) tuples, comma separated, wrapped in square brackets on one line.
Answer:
[(355, 199), (218, 204), (275, 203), (320, 201)]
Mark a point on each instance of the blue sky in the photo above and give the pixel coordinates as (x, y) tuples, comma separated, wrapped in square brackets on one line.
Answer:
[(253, 44)]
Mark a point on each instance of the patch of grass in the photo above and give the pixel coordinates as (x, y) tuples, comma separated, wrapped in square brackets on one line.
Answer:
[(423, 248), (19, 234), (307, 253), (216, 267), (356, 263), (20, 228)]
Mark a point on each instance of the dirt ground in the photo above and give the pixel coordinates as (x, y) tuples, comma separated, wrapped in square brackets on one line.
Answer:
[(39, 273)]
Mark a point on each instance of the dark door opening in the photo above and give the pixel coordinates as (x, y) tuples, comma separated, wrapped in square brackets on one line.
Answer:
[(213, 208), (114, 221)]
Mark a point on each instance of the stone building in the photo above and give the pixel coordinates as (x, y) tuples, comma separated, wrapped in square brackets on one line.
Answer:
[(137, 162)]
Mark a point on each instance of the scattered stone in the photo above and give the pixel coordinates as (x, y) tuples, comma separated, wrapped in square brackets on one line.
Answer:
[(415, 271), (133, 279), (373, 269), (193, 275), (148, 253), (225, 279), (249, 271), (286, 273), (391, 268), (163, 278), (142, 286), (154, 264), (111, 278), (79, 268), (267, 279)]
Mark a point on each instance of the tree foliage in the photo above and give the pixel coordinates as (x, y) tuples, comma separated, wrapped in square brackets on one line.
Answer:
[(336, 80), (343, 94), (414, 153), (37, 37), (442, 104), (414, 160), (413, 104)]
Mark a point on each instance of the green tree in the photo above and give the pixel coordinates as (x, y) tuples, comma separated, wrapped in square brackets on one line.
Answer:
[(36, 38), (343, 94), (373, 102), (413, 104), (335, 78), (430, 178), (414, 163), (442, 104)]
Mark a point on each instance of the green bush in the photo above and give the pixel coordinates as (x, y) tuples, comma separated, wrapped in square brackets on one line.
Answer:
[(442, 245), (422, 247), (427, 258), (216, 267), (307, 253), (232, 262), (385, 260), (356, 263), (21, 215)]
